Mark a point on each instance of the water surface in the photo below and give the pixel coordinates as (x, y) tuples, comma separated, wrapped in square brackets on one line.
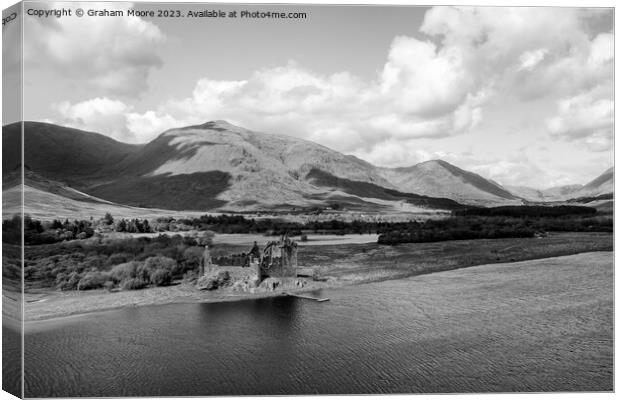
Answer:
[(542, 325)]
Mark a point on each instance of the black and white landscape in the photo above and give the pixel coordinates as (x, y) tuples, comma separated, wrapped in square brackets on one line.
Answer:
[(221, 167), (307, 206)]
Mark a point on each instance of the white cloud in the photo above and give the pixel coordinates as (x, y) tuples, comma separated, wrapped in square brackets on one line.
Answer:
[(585, 116), (395, 153), (112, 55), (100, 114), (420, 80), (505, 47), (600, 141), (149, 124), (464, 62), (530, 59), (602, 49)]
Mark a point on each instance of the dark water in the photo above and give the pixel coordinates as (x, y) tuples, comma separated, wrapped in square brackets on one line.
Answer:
[(11, 359), (459, 331)]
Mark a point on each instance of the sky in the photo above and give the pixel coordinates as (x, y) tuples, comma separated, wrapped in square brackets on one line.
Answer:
[(523, 96)]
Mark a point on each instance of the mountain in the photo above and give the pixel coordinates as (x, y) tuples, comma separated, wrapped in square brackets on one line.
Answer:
[(556, 193), (205, 167), (438, 178), (219, 166), (60, 153), (247, 167), (601, 185)]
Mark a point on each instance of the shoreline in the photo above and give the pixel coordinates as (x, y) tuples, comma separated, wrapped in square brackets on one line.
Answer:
[(102, 301)]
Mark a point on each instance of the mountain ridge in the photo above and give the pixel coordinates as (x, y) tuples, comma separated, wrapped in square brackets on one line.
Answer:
[(442, 179), (600, 185), (217, 165)]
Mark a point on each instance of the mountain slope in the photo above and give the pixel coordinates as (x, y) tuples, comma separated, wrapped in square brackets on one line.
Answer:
[(603, 184), (65, 154), (203, 167), (439, 178), (600, 186), (217, 165), (371, 190), (551, 194), (262, 168)]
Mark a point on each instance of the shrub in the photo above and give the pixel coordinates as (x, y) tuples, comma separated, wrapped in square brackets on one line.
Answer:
[(143, 273), (167, 264), (160, 262), (207, 283), (190, 276), (92, 280), (161, 277), (192, 257), (124, 271), (108, 219), (221, 279), (108, 285), (94, 261), (69, 282), (134, 284), (119, 258)]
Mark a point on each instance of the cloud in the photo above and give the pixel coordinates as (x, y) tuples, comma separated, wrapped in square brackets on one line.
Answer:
[(112, 55), (468, 69), (419, 79), (601, 50), (427, 88), (114, 118), (530, 59), (338, 109), (396, 153), (100, 114), (147, 125), (587, 117)]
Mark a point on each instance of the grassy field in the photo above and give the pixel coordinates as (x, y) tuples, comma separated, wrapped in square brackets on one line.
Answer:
[(49, 206), (338, 265), (364, 262)]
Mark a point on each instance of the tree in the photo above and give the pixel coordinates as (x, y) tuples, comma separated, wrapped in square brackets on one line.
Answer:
[(108, 219), (121, 226), (205, 238)]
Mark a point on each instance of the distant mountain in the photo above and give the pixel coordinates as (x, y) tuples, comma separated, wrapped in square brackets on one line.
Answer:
[(600, 186), (603, 184), (205, 167), (249, 167), (439, 178), (219, 166), (556, 193)]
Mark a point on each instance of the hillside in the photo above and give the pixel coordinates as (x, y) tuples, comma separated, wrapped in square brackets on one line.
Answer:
[(551, 194), (206, 167), (69, 155), (438, 178), (603, 184), (599, 186), (219, 166), (245, 168), (44, 205)]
